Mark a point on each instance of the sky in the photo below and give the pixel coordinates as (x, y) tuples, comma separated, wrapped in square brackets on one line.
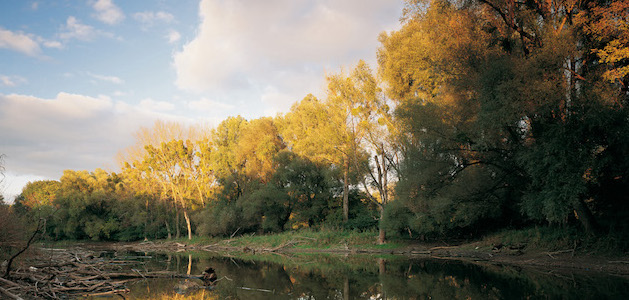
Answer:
[(79, 77)]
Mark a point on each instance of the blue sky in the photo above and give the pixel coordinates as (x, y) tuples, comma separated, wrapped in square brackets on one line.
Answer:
[(79, 77)]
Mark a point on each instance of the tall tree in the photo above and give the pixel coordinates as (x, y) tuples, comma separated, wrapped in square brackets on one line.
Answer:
[(165, 154), (487, 89), (310, 131), (375, 152), (456, 168)]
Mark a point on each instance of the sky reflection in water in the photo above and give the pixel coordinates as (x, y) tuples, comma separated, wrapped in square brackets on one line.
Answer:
[(317, 276)]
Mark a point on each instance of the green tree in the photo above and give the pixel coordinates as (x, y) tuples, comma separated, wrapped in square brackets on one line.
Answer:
[(311, 132), (309, 187), (258, 144), (223, 158), (375, 152), (501, 104)]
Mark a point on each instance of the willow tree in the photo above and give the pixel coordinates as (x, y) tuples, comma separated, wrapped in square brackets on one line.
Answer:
[(257, 146), (311, 131), (368, 121), (454, 172), (167, 156), (508, 109), (221, 156)]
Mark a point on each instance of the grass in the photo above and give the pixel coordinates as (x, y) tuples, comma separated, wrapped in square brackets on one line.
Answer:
[(303, 239), (536, 239)]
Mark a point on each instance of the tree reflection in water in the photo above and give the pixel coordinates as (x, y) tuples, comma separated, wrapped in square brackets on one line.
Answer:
[(308, 276)]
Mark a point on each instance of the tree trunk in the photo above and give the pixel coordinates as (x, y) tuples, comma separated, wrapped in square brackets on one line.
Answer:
[(177, 229), (381, 232), (585, 216), (170, 235), (346, 289), (146, 219), (185, 215), (346, 190)]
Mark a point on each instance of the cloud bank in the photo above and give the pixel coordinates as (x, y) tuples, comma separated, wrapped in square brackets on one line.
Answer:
[(45, 136), (281, 48)]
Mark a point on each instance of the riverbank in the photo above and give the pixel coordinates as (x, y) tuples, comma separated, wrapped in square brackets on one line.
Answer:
[(293, 271), (85, 268), (502, 249)]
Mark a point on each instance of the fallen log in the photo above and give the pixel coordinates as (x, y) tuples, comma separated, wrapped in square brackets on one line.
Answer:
[(121, 291)]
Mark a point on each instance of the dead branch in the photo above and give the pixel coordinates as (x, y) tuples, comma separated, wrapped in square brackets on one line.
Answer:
[(10, 295), (74, 273), (121, 291), (28, 244)]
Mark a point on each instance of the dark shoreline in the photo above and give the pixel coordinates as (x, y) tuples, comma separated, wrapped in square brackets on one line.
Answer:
[(561, 261)]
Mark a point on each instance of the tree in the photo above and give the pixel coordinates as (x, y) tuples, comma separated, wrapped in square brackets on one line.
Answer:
[(457, 169), (375, 150), (171, 165), (311, 132), (39, 193), (169, 159), (258, 144), (501, 103), (223, 160), (605, 26), (84, 202), (308, 186)]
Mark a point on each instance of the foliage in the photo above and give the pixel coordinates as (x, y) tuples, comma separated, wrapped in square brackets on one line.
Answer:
[(482, 115), (39, 193), (505, 118)]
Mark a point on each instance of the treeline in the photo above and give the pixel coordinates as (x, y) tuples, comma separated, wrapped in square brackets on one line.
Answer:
[(482, 115)]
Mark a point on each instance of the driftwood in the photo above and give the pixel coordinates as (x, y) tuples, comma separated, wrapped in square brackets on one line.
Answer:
[(73, 273), (550, 254), (8, 294)]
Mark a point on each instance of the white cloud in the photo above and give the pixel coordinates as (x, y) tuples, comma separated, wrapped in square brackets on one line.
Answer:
[(74, 29), (108, 12), (11, 81), (35, 5), (173, 36), (51, 44), (153, 105), (19, 42), (111, 79), (257, 44), (149, 18), (207, 105), (43, 137)]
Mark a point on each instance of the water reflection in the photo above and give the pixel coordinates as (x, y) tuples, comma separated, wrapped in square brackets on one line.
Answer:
[(308, 276)]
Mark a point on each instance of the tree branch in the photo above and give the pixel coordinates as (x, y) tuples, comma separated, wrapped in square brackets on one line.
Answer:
[(28, 244)]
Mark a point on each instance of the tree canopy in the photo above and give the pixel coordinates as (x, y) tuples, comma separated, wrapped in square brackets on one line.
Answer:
[(481, 115)]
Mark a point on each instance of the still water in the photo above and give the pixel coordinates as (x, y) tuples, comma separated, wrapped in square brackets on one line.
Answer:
[(327, 276)]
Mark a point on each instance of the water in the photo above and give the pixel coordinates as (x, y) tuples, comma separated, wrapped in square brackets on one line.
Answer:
[(327, 276)]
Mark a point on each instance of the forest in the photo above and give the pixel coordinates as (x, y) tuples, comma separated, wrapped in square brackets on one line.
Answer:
[(481, 115)]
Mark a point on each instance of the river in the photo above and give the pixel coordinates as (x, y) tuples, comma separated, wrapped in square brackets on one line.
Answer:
[(336, 276)]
